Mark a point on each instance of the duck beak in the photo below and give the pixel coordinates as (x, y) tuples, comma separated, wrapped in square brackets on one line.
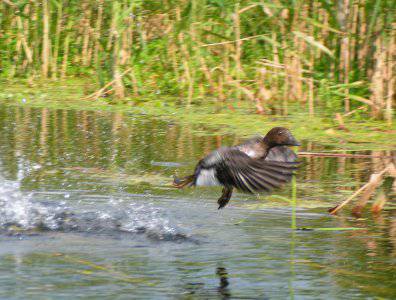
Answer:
[(296, 144), (293, 141)]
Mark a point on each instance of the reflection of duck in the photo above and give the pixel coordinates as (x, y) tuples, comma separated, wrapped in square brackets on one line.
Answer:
[(223, 284), (260, 164)]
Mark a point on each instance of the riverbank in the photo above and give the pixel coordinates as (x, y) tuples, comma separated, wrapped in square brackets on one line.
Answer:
[(238, 118)]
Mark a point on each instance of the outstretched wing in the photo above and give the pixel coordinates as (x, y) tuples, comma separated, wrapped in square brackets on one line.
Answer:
[(237, 169)]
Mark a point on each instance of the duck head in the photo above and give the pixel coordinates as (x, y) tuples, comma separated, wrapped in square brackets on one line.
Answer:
[(280, 136)]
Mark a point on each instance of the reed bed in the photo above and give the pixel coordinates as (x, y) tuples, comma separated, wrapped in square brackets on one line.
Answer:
[(337, 55)]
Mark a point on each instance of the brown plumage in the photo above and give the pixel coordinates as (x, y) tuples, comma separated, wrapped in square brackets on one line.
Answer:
[(260, 164)]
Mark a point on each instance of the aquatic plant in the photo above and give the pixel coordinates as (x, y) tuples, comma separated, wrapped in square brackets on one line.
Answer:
[(319, 54)]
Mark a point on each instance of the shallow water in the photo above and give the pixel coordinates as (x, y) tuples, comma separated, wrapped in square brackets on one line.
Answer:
[(86, 211)]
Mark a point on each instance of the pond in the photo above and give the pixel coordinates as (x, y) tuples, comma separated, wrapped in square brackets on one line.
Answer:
[(87, 211)]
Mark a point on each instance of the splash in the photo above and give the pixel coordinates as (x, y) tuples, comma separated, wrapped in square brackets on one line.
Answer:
[(18, 211), (23, 213)]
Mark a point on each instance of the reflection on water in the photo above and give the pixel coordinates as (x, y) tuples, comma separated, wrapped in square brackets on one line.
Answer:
[(221, 272), (86, 209)]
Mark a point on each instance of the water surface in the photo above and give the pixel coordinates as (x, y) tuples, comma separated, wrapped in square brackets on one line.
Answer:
[(87, 211)]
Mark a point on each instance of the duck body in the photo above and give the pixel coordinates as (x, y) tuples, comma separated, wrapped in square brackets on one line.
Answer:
[(246, 166)]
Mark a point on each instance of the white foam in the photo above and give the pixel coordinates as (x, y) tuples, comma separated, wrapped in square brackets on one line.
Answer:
[(16, 208), (26, 212)]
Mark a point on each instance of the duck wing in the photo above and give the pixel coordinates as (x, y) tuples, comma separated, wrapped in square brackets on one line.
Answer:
[(235, 168)]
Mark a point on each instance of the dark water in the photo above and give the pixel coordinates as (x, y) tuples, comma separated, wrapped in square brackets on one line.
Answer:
[(86, 211)]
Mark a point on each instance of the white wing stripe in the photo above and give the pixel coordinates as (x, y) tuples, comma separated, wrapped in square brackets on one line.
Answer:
[(207, 177)]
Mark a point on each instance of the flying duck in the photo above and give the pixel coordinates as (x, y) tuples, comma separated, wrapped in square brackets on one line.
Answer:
[(260, 164)]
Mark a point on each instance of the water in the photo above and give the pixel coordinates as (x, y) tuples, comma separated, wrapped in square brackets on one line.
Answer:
[(86, 211)]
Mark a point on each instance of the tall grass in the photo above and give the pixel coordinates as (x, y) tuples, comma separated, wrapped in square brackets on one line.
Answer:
[(334, 54)]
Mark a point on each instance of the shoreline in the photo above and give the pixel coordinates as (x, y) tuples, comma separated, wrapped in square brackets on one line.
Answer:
[(359, 135)]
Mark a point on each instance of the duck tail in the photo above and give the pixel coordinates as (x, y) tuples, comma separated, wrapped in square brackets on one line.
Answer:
[(182, 182)]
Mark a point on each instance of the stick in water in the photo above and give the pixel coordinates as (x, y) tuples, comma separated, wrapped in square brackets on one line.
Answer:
[(334, 210)]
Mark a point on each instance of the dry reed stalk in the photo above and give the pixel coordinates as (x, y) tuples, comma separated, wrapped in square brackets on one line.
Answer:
[(17, 54), (28, 51), (377, 81), (201, 90), (379, 203), (35, 38), (363, 108), (127, 38), (118, 85), (186, 59), (238, 49), (124, 57), (373, 183), (119, 90), (130, 33), (345, 43), (340, 120), (203, 65), (262, 94), (188, 75), (276, 60), (90, 47), (59, 19), (97, 32), (196, 56), (10, 3), (86, 33), (324, 33), (226, 64), (391, 76), (112, 29), (302, 79), (77, 45), (220, 88), (45, 52), (135, 86), (175, 64), (186, 66), (22, 36), (99, 92), (343, 18), (363, 47), (323, 154), (208, 75), (286, 62), (335, 209), (311, 67), (250, 95), (297, 56), (233, 41), (66, 47), (354, 29)]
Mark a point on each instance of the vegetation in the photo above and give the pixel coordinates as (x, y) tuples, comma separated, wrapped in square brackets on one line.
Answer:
[(211, 119), (336, 56)]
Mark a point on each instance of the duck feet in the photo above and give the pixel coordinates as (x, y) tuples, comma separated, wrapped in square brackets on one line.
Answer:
[(225, 197)]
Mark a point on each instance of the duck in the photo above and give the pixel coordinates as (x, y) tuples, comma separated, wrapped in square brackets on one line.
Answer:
[(260, 164)]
